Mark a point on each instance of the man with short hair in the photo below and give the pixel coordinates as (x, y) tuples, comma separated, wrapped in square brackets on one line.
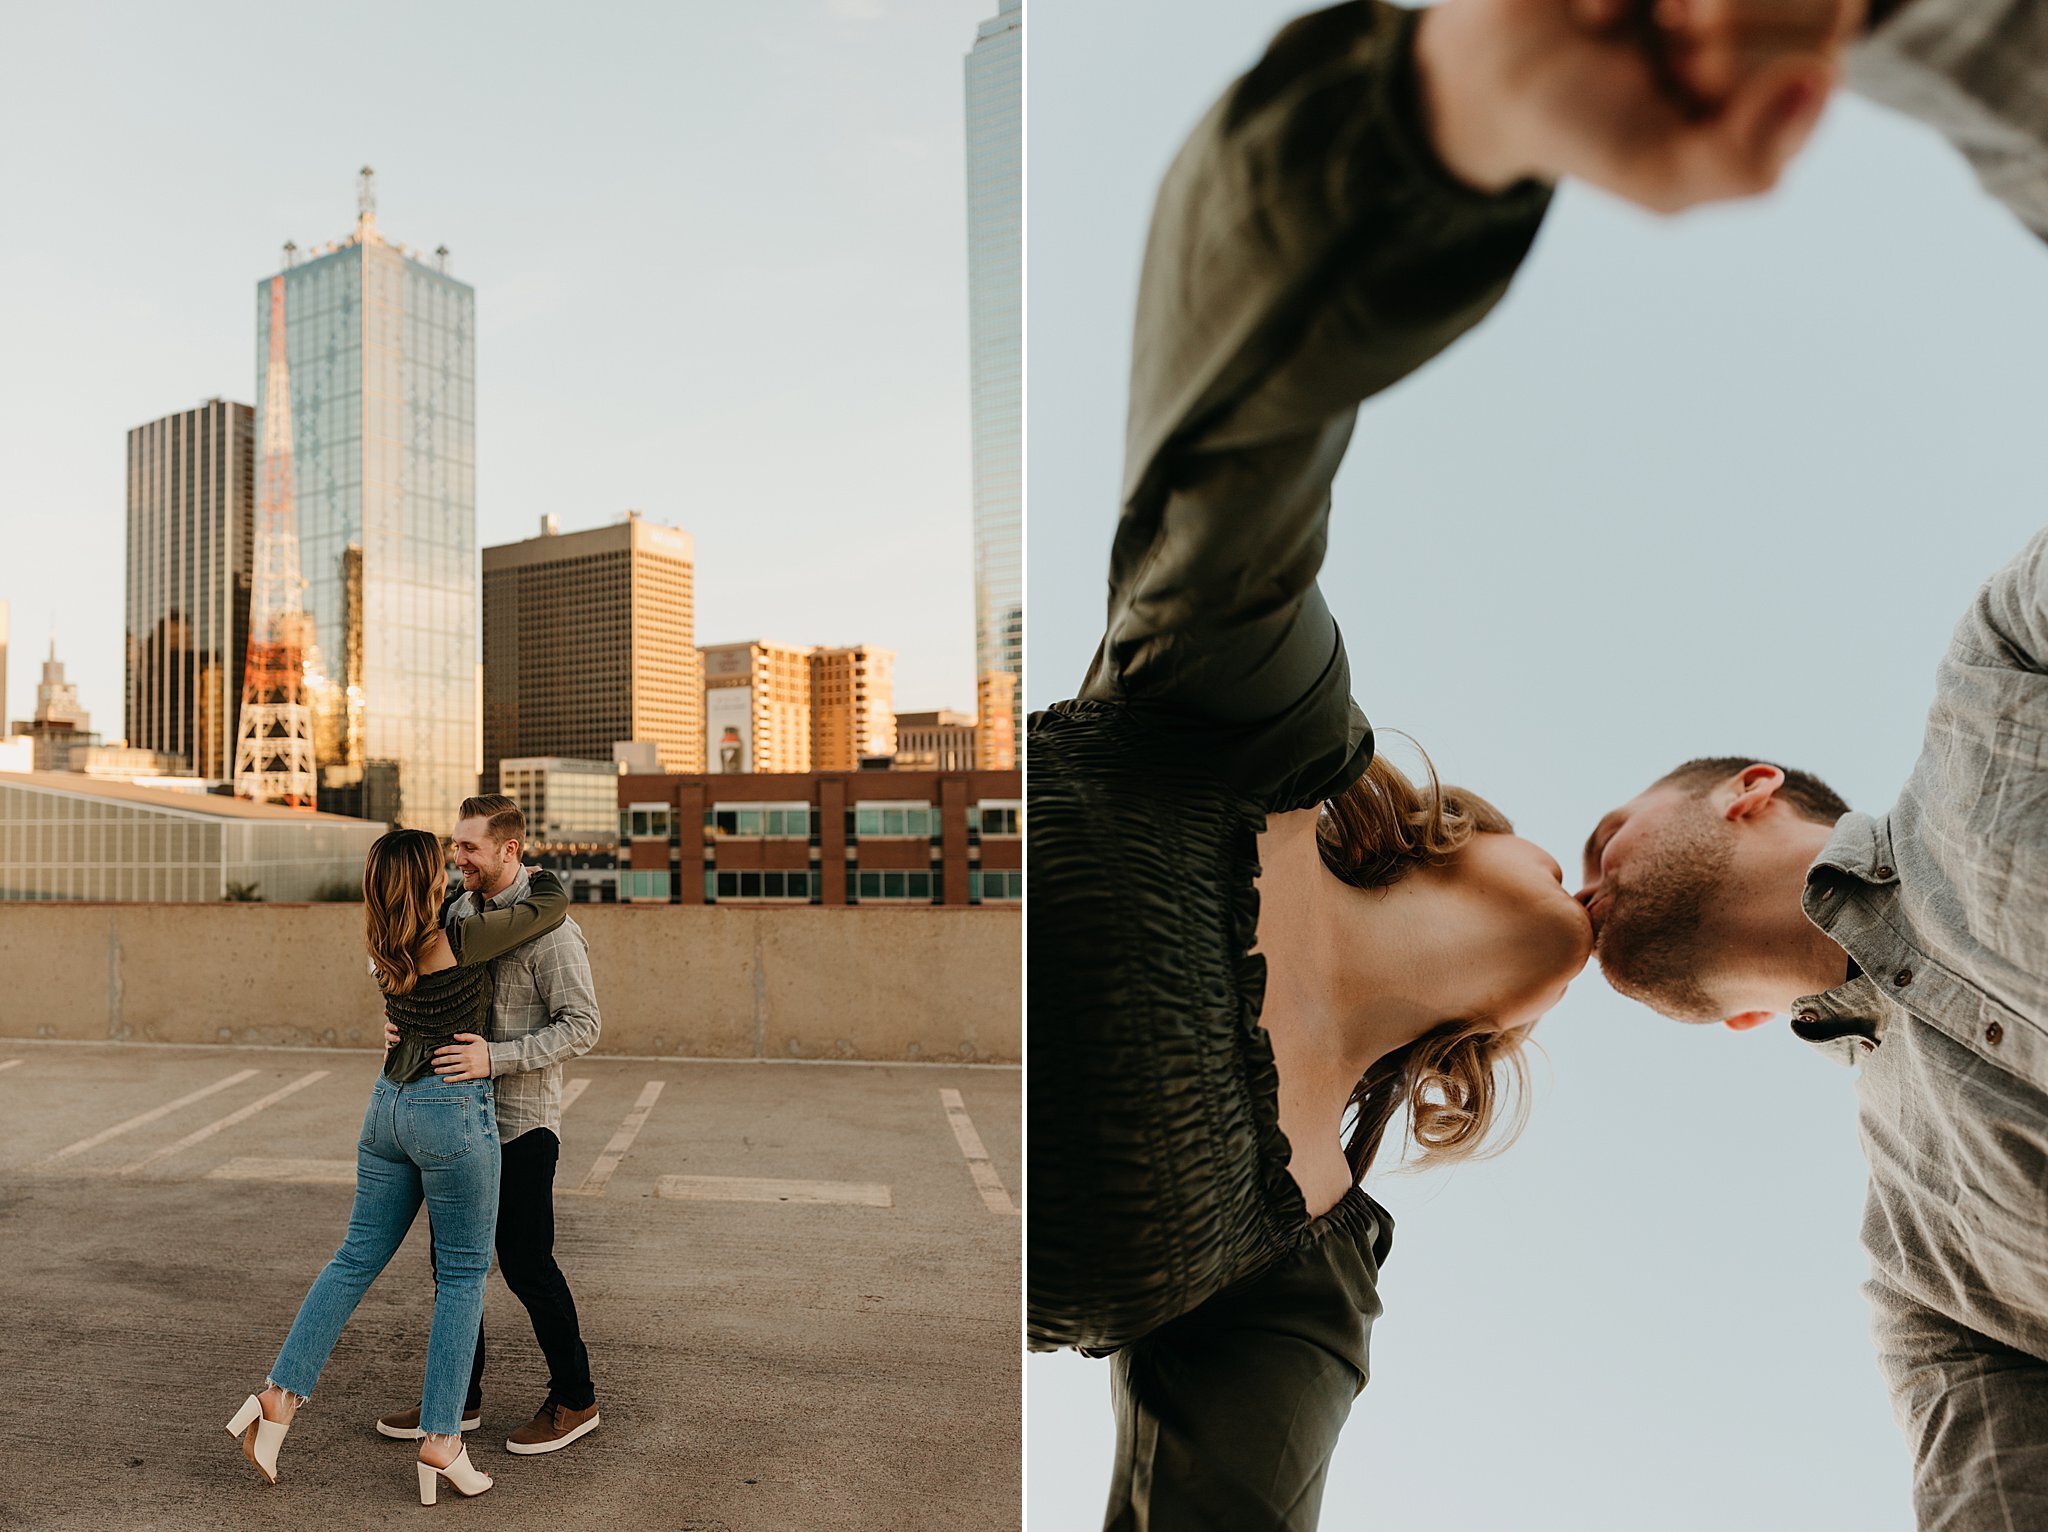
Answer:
[(543, 1013), (1915, 944)]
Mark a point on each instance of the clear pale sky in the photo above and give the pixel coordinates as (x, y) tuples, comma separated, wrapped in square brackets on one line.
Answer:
[(719, 254), (1713, 485)]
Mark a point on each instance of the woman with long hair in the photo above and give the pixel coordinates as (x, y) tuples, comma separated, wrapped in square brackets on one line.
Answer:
[(427, 1137), (1255, 945)]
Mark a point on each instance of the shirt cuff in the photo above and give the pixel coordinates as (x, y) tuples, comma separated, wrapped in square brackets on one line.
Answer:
[(504, 1056)]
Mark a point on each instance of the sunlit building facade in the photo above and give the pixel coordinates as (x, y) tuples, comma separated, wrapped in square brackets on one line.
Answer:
[(191, 504), (995, 296), (853, 706), (757, 707), (590, 640), (380, 345)]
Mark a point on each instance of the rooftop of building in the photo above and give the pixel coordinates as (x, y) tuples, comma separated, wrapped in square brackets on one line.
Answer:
[(212, 805), (631, 532)]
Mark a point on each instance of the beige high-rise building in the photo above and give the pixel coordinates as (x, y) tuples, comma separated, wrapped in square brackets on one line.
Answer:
[(995, 732), (757, 707), (853, 706), (590, 638)]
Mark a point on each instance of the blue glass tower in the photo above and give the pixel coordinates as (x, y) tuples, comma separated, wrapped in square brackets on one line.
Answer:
[(995, 296), (380, 347)]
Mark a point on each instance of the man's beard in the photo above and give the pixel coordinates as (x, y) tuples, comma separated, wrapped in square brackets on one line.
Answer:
[(1651, 946)]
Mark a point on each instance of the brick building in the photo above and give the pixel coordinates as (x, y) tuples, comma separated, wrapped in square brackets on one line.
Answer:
[(833, 837)]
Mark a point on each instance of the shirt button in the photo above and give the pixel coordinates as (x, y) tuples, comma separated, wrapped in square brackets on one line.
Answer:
[(1807, 1016), (1867, 1044), (1903, 977), (1884, 872), (1993, 1034)]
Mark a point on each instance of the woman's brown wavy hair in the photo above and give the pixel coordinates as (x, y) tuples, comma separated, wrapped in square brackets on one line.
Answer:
[(398, 905), (1450, 1078)]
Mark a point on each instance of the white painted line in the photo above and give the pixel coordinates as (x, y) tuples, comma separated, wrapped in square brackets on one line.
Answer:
[(200, 1135), (573, 1089), (10, 1064), (601, 1173), (298, 1172), (740, 1189), (986, 1181), (146, 1118)]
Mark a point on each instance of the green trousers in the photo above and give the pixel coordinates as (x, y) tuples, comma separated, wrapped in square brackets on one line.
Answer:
[(1226, 1418)]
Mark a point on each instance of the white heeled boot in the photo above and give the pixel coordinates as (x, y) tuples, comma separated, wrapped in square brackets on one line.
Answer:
[(260, 1438), (458, 1473)]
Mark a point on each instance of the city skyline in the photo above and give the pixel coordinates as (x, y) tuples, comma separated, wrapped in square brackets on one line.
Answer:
[(635, 352)]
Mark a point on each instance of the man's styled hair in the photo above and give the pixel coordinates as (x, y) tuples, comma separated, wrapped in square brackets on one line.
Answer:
[(1803, 791), (504, 821)]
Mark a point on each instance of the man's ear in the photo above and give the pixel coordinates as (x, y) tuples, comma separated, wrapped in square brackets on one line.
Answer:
[(1756, 789), (1748, 1020)]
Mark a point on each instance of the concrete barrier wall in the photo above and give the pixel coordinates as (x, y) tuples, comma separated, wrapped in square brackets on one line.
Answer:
[(720, 982)]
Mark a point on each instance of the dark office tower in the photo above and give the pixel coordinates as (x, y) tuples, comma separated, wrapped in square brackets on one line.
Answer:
[(191, 500)]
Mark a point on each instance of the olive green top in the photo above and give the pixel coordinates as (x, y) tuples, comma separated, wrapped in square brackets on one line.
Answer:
[(1307, 251), (458, 999)]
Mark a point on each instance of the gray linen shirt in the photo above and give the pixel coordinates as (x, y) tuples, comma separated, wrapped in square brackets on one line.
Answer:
[(544, 1013), (1977, 70), (1943, 905)]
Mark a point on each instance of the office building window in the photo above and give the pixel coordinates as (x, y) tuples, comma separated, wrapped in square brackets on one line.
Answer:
[(998, 817), (788, 821), (908, 886), (872, 821), (647, 887), (764, 885), (995, 887)]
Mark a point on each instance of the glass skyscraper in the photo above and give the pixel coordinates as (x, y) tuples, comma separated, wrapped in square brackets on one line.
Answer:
[(380, 348), (995, 332)]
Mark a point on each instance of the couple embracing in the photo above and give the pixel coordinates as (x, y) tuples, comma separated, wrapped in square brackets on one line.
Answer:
[(1255, 944), (487, 993)]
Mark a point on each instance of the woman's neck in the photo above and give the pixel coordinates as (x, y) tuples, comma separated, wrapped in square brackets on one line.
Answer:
[(1351, 975)]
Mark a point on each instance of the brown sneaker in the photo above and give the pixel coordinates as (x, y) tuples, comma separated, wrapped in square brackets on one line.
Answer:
[(405, 1425), (552, 1429)]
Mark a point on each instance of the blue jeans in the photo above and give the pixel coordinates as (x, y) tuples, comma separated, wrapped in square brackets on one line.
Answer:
[(430, 1141)]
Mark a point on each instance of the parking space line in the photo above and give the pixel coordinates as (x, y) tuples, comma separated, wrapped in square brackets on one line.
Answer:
[(200, 1135), (986, 1181), (145, 1119), (298, 1172), (742, 1189), (573, 1089), (601, 1173)]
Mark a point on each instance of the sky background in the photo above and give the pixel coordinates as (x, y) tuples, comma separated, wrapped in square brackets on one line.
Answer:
[(1709, 485), (719, 254)]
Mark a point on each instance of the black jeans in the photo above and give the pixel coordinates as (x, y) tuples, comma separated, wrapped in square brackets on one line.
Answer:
[(526, 1260)]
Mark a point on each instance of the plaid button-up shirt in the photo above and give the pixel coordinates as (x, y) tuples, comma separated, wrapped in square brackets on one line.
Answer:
[(543, 1013)]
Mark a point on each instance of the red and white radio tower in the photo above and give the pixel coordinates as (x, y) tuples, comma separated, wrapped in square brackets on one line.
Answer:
[(274, 739)]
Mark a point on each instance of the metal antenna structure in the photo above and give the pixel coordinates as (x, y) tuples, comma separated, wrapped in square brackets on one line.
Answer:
[(274, 738)]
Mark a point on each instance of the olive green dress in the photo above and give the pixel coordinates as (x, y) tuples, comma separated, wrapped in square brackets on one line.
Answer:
[(1306, 251)]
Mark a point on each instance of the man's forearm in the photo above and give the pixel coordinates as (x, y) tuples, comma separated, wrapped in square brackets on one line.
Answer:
[(569, 1035)]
